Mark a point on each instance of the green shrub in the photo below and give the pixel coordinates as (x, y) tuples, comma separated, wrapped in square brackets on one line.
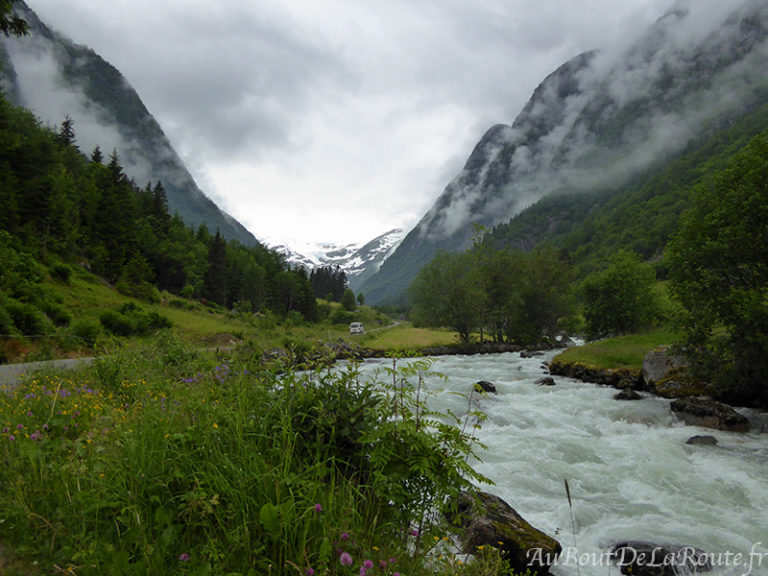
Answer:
[(29, 320), (117, 323), (61, 272), (86, 331), (59, 315), (342, 317), (6, 322), (132, 319), (142, 290)]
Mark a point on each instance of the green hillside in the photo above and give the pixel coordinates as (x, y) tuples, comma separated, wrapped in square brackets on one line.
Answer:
[(639, 216)]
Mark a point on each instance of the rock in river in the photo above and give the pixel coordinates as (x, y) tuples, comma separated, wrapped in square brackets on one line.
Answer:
[(710, 414), (485, 386), (487, 520)]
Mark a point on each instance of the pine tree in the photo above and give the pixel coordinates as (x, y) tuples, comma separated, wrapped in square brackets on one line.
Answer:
[(66, 135), (96, 156), (215, 280)]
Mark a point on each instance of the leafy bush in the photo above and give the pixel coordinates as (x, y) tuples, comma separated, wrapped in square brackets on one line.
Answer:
[(6, 322), (59, 315), (29, 320), (342, 317), (132, 319), (117, 323), (86, 331), (142, 290), (61, 272)]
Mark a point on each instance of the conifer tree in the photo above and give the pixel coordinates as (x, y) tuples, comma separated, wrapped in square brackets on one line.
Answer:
[(215, 280), (96, 156)]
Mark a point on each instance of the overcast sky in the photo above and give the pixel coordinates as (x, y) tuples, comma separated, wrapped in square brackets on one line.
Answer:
[(337, 120)]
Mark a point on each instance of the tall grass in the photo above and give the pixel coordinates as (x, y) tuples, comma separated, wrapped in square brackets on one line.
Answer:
[(169, 461)]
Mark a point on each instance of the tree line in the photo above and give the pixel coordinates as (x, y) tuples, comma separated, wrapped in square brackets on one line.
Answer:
[(86, 210)]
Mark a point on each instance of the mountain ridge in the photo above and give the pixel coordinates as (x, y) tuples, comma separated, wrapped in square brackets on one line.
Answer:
[(357, 260), (107, 112), (594, 123)]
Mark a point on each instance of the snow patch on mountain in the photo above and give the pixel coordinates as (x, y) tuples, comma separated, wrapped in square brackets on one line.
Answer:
[(355, 259)]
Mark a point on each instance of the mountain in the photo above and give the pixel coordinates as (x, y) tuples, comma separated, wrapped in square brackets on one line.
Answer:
[(55, 78), (597, 124), (357, 261)]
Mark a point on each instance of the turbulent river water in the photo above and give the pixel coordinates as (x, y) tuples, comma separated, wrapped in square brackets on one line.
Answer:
[(630, 472)]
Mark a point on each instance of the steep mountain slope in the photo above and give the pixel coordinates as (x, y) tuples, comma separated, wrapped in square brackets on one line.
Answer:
[(357, 261), (55, 77), (598, 122)]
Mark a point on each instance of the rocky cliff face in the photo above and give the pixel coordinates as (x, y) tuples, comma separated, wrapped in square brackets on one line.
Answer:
[(595, 122), (54, 77)]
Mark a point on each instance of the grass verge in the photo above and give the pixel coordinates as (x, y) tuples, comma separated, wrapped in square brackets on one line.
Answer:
[(621, 352)]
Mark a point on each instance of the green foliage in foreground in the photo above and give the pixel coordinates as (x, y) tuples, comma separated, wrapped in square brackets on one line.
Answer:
[(169, 462)]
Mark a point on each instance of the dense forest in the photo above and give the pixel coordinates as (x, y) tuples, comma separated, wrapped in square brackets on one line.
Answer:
[(61, 206)]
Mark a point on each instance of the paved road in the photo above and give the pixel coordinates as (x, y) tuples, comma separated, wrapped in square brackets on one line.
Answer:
[(9, 373)]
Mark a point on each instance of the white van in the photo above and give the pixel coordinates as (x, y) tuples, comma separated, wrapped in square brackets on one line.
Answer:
[(356, 328)]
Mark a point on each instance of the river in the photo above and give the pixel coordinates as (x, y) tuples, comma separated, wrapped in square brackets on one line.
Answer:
[(630, 472)]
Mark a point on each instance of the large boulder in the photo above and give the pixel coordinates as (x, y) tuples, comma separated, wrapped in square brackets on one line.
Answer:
[(487, 520), (659, 364), (646, 559), (710, 414)]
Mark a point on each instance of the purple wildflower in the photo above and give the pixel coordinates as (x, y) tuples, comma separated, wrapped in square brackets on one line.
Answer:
[(345, 559), (318, 507), (184, 557), (345, 535), (309, 572)]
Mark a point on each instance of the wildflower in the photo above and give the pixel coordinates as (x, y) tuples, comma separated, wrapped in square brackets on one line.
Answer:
[(345, 559), (345, 535), (11, 438), (413, 532), (368, 564), (215, 426), (309, 572), (318, 507), (184, 557), (392, 560)]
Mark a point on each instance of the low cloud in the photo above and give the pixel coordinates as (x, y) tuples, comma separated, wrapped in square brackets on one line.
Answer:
[(690, 69)]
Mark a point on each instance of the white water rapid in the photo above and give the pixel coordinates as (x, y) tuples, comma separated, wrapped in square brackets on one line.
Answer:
[(631, 474)]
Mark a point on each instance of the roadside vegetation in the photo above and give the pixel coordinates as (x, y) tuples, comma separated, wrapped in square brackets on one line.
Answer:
[(168, 460)]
